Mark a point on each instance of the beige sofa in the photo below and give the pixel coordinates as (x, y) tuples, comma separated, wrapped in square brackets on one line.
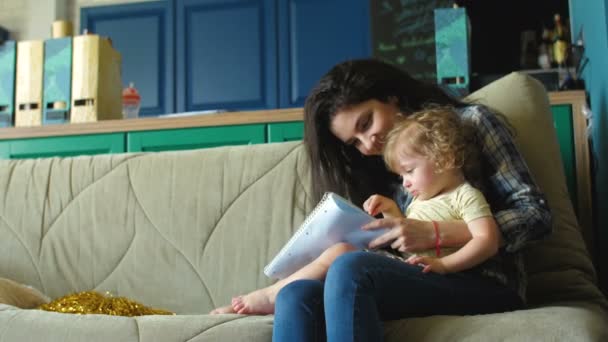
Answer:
[(186, 230)]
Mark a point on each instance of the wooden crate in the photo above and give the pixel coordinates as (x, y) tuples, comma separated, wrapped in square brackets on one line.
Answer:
[(96, 83), (28, 97)]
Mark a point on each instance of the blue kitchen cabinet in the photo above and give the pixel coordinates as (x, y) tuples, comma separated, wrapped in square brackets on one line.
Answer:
[(143, 34), (314, 35), (231, 54), (226, 54)]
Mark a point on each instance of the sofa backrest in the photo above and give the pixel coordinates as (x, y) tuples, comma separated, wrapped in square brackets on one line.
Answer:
[(182, 231), (559, 268), (187, 230)]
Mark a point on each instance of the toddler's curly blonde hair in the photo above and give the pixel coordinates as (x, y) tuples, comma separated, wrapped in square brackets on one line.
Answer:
[(436, 133)]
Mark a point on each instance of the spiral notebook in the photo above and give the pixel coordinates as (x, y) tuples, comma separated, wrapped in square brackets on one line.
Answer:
[(333, 220)]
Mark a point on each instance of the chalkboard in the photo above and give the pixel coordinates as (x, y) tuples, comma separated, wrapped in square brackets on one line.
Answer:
[(403, 33)]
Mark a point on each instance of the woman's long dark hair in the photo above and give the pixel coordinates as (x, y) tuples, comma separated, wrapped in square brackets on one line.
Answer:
[(341, 168)]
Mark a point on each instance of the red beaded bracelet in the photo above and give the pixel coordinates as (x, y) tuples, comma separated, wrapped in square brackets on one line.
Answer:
[(437, 244)]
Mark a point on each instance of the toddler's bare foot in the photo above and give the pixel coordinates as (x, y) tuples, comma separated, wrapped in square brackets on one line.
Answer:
[(223, 310), (259, 302)]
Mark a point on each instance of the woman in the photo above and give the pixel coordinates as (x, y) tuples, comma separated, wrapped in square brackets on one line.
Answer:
[(347, 117)]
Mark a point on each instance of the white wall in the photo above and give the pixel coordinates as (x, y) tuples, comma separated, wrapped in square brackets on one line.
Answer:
[(32, 19), (39, 15), (12, 13)]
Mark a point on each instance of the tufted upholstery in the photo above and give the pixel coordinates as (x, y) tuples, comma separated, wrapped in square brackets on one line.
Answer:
[(186, 230)]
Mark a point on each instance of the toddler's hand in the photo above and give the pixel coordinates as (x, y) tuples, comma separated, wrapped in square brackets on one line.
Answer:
[(429, 264), (379, 204)]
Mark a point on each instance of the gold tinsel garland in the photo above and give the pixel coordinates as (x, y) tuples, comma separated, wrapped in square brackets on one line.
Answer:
[(91, 302)]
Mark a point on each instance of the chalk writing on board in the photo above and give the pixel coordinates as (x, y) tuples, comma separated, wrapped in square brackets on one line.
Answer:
[(403, 34)]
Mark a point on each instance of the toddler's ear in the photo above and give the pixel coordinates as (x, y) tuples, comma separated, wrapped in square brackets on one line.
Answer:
[(19, 295)]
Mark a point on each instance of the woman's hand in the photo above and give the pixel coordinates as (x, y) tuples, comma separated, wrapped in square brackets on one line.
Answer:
[(379, 204), (405, 235)]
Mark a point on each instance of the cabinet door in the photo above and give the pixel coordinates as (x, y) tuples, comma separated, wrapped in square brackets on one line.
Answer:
[(314, 35), (562, 120), (67, 146), (226, 54), (143, 34), (285, 131), (192, 138)]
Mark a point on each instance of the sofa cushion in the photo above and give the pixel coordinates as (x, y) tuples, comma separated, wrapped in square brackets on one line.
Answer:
[(559, 268), (551, 323), (542, 324)]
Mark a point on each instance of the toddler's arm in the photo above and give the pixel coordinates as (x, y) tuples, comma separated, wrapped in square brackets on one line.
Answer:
[(481, 247), (379, 204)]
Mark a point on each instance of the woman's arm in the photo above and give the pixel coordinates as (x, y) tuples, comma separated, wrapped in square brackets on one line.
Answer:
[(519, 207), (411, 235), (406, 234)]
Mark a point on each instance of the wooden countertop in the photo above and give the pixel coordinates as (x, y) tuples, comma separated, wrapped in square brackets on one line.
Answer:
[(199, 120), (155, 123)]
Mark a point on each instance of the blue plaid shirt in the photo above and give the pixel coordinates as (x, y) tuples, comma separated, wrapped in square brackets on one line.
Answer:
[(519, 207)]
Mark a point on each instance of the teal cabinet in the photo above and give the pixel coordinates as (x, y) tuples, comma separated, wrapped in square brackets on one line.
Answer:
[(571, 128), (67, 146), (285, 131), (562, 120), (191, 138)]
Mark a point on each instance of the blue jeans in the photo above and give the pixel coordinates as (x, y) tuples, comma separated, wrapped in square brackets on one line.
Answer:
[(363, 289)]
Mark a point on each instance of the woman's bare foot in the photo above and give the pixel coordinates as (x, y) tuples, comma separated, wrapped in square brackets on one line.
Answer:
[(259, 302), (223, 310)]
